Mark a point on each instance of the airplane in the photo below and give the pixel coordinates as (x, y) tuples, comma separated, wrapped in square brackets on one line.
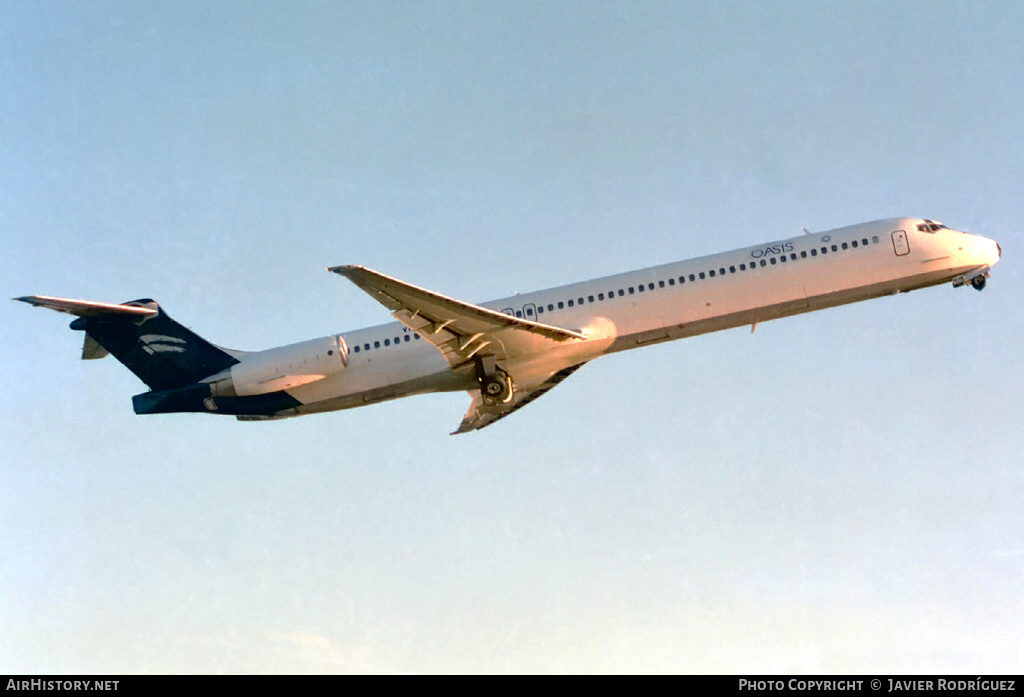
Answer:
[(506, 353)]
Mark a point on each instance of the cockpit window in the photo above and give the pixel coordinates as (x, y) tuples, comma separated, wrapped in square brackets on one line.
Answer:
[(930, 226)]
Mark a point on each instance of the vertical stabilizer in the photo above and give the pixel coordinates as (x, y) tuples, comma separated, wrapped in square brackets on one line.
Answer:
[(164, 354)]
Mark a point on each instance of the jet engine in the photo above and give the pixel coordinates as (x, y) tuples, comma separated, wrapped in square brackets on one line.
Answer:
[(281, 368)]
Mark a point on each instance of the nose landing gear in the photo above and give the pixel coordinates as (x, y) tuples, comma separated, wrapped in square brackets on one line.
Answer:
[(976, 278)]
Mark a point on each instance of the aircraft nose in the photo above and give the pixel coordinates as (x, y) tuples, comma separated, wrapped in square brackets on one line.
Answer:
[(997, 249)]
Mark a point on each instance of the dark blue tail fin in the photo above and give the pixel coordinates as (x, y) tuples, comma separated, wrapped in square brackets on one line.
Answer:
[(163, 353)]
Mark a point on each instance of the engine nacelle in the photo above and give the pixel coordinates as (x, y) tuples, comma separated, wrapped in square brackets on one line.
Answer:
[(281, 368)]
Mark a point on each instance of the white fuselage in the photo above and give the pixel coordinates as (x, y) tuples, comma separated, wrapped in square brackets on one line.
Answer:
[(629, 310)]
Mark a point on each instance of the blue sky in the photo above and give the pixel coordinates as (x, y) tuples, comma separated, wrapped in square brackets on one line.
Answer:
[(839, 492)]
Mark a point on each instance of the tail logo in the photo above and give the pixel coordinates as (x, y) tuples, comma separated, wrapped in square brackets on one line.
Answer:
[(160, 343)]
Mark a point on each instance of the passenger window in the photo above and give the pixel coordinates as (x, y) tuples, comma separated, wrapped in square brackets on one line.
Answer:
[(814, 252), (783, 258), (671, 281), (519, 314), (845, 246), (764, 263), (693, 278), (529, 312), (854, 244), (600, 296), (711, 273), (551, 308), (640, 287), (631, 290), (743, 267), (803, 254), (580, 301), (387, 342), (356, 348), (792, 256), (366, 347), (621, 292), (835, 248), (661, 284), (407, 337), (540, 309), (650, 286), (874, 239), (732, 269), (773, 260), (864, 241), (721, 272), (590, 298), (561, 304), (570, 303), (376, 344), (824, 250), (702, 275)]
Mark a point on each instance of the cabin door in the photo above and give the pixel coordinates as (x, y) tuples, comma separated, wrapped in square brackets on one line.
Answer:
[(900, 244)]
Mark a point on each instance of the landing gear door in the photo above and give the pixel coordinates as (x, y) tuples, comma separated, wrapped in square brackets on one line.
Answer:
[(900, 244)]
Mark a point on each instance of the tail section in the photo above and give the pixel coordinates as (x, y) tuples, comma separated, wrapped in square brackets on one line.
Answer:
[(162, 353)]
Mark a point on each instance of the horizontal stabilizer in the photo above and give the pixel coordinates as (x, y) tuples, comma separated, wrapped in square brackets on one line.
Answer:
[(87, 308)]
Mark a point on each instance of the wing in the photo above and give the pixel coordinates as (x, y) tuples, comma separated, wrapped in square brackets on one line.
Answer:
[(458, 329), (86, 308), (481, 415)]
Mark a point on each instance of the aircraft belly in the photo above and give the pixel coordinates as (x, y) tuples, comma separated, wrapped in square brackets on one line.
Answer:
[(445, 381)]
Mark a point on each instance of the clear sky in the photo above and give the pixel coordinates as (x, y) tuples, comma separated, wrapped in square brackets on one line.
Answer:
[(839, 492)]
